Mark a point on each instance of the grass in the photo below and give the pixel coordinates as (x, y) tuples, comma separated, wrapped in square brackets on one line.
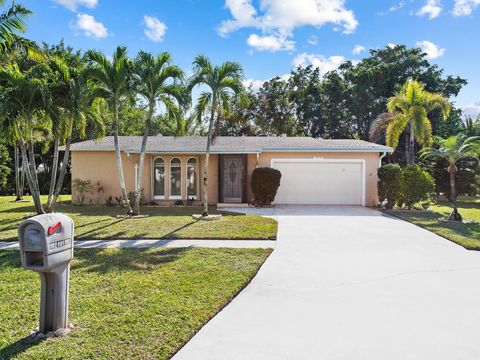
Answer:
[(94, 222), (466, 235), (124, 303)]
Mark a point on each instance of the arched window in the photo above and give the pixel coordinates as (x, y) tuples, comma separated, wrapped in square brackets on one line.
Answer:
[(158, 178), (175, 178), (192, 178)]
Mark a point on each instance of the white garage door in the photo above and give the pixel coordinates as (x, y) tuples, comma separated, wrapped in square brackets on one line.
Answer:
[(320, 181)]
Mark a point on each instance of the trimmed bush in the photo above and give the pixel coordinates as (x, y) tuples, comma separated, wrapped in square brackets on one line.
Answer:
[(389, 184), (265, 183), (416, 185)]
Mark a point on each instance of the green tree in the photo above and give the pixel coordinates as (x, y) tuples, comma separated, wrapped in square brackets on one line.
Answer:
[(454, 149), (24, 103), (157, 83), (410, 108), (471, 127), (221, 81), (4, 168), (112, 81), (12, 22)]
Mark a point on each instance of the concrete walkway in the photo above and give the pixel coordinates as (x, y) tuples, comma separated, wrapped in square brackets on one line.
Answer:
[(349, 283), (236, 244)]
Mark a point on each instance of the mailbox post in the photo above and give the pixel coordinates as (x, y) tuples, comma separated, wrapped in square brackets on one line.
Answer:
[(46, 246)]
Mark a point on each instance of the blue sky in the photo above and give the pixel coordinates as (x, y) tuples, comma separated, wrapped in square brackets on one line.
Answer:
[(269, 37)]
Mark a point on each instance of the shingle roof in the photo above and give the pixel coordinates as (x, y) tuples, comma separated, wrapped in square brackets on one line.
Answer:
[(228, 144)]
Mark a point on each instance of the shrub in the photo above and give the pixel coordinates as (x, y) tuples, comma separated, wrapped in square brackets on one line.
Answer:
[(389, 184), (83, 187), (265, 183), (109, 201), (416, 185)]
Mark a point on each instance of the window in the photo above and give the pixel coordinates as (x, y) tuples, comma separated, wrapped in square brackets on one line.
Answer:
[(192, 178), (175, 178), (158, 178)]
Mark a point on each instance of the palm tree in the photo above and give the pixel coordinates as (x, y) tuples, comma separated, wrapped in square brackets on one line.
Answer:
[(24, 101), (112, 81), (221, 81), (154, 84), (454, 149), (408, 112), (471, 127), (69, 90), (12, 22)]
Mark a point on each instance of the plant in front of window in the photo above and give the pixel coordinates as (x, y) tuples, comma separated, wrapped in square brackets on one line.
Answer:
[(222, 81), (265, 184), (389, 183), (82, 187)]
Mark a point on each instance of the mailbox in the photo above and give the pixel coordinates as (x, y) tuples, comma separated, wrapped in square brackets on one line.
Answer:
[(46, 246)]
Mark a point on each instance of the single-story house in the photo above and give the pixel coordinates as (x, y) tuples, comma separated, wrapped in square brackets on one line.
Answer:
[(314, 171)]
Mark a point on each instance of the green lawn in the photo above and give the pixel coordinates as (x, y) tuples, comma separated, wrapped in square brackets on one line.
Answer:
[(100, 222), (466, 235), (124, 303)]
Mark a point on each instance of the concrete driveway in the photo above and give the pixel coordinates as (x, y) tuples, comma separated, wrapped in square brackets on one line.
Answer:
[(349, 283)]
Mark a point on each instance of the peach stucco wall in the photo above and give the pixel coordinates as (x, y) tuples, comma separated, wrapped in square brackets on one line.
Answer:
[(100, 167)]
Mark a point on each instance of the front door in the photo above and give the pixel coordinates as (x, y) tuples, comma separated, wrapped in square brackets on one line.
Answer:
[(232, 178)]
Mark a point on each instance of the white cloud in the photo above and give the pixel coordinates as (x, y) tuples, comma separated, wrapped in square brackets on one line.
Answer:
[(270, 43), (281, 17), (324, 64), (358, 49), (465, 7), (253, 84), (312, 40), (393, 8), (154, 28), (472, 110), (72, 5), (432, 9), (392, 45), (90, 27), (432, 50)]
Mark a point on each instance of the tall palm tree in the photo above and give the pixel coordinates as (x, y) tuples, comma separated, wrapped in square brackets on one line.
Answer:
[(69, 90), (12, 22), (408, 112), (471, 127), (221, 82), (24, 102), (157, 82), (454, 149), (112, 81)]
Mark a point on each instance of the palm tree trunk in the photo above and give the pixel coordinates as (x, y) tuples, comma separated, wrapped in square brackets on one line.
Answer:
[(454, 215), (63, 168), (118, 158), (17, 172), (53, 175), (30, 180), (146, 131), (22, 178), (207, 155), (411, 146)]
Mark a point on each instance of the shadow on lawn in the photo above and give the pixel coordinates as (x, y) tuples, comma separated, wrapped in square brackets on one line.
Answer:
[(123, 259), (18, 347)]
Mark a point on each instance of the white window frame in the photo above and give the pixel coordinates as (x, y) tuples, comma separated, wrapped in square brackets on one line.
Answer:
[(362, 162), (170, 196), (158, 197), (195, 197)]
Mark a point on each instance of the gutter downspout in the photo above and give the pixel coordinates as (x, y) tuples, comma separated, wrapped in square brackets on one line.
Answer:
[(381, 158)]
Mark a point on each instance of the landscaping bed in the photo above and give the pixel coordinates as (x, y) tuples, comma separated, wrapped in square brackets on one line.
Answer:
[(124, 303), (96, 222), (466, 235)]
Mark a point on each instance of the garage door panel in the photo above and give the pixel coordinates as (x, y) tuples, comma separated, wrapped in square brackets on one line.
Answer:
[(313, 182)]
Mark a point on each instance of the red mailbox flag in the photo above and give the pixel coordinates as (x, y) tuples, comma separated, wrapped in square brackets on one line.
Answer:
[(52, 229)]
